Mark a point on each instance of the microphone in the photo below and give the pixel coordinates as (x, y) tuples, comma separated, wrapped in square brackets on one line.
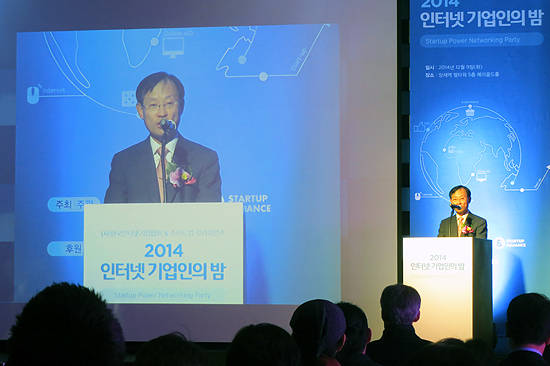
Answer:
[(169, 128), (456, 206), (167, 125)]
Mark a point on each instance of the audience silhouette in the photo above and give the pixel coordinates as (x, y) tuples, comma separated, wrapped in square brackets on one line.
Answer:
[(263, 344), (319, 326), (400, 309), (528, 328), (358, 334), (170, 350), (66, 325), (71, 325)]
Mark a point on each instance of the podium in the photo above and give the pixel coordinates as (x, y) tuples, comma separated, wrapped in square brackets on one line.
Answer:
[(454, 279), (176, 253)]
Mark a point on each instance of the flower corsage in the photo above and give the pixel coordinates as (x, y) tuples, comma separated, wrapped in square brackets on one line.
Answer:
[(467, 230), (178, 176)]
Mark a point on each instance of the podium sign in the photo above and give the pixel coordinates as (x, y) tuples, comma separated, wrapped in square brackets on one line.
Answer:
[(453, 277), (185, 253)]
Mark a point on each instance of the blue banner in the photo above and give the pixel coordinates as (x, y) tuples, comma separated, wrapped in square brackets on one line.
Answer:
[(480, 118)]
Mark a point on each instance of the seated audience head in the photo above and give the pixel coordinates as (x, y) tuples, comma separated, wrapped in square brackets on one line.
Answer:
[(528, 320), (66, 324), (482, 352), (400, 305), (319, 327), (170, 350), (452, 342), (444, 353), (358, 333), (263, 344)]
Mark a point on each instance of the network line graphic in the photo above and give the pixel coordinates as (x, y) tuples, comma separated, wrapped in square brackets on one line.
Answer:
[(535, 188), (470, 144), (66, 70), (129, 51), (153, 42), (242, 59)]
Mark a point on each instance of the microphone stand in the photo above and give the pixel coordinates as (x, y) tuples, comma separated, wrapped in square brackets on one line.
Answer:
[(450, 219), (163, 163)]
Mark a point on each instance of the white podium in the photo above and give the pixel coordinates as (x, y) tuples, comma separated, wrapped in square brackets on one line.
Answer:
[(176, 253), (454, 279)]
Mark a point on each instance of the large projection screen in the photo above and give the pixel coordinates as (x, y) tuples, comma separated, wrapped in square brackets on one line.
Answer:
[(298, 101)]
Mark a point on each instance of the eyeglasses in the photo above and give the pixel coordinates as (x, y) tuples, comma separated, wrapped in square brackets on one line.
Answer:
[(154, 107)]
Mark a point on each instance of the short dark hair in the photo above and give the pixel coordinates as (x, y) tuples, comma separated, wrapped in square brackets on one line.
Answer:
[(263, 344), (149, 83), (66, 324), (528, 319), (318, 327), (170, 350), (356, 328), (400, 304), (456, 188)]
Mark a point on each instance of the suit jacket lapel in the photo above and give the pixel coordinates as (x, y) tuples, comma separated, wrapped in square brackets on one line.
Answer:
[(454, 226), (148, 172)]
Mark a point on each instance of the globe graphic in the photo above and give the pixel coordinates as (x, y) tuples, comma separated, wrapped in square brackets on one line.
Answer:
[(467, 145)]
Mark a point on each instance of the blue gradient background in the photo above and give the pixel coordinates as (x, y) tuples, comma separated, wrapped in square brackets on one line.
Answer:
[(279, 137), (520, 96)]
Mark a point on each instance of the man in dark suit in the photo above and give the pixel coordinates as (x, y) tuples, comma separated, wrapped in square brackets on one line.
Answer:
[(400, 309), (464, 223), (528, 328), (192, 170)]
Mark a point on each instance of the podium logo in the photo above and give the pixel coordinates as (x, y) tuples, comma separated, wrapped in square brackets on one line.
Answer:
[(254, 203), (509, 243)]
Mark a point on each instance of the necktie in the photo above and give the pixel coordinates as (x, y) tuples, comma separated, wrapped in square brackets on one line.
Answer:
[(460, 225), (159, 172)]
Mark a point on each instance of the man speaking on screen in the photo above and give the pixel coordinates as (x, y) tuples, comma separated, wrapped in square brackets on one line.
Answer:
[(462, 222), (189, 172)]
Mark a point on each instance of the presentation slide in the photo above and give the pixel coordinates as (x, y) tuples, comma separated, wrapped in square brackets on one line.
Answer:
[(288, 117), (479, 118), (264, 98)]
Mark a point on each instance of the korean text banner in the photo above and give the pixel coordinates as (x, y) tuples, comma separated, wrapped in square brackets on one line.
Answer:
[(178, 253), (480, 118)]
